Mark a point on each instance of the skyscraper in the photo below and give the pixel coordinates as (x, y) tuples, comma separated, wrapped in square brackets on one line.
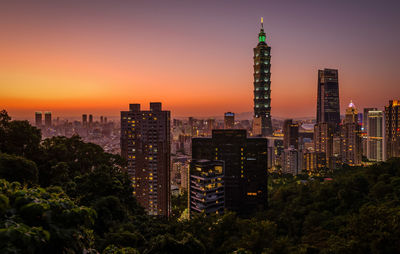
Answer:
[(392, 129), (328, 107), (206, 187), (350, 133), (365, 119), (246, 167), (47, 119), (375, 135), (290, 134), (291, 161), (262, 86), (229, 120), (145, 144), (323, 141), (90, 120), (84, 120), (38, 119)]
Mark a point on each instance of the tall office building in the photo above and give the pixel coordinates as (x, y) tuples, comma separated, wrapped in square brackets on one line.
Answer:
[(229, 120), (290, 134), (47, 119), (206, 187), (392, 129), (90, 120), (84, 120), (323, 140), (291, 161), (145, 144), (328, 107), (365, 119), (350, 133), (245, 159), (38, 119), (375, 132), (262, 86)]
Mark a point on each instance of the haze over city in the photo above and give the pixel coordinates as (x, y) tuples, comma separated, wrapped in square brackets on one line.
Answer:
[(197, 58)]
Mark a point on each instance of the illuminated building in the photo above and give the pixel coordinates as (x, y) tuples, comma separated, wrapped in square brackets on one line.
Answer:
[(375, 135), (290, 134), (262, 86), (38, 119), (313, 162), (291, 161), (350, 133), (365, 119), (392, 129), (47, 119), (245, 167), (229, 120), (323, 140), (206, 187), (145, 144), (328, 107)]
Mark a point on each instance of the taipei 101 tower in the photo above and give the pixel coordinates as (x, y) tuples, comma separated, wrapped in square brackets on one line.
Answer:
[(262, 125)]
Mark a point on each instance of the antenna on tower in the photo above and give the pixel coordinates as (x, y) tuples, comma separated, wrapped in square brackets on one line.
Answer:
[(262, 22)]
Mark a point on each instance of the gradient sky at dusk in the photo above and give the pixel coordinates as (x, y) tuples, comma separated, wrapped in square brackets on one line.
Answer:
[(74, 57)]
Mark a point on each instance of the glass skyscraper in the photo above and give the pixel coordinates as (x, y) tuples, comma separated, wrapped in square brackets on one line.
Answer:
[(328, 107), (262, 86)]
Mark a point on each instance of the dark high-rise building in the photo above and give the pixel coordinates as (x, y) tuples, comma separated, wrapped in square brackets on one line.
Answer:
[(350, 138), (90, 120), (38, 119), (101, 119), (328, 107), (229, 120), (84, 120), (206, 187), (262, 86), (47, 119), (145, 144), (246, 167), (392, 129), (290, 134)]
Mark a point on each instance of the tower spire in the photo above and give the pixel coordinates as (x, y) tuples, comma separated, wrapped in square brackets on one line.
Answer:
[(261, 35)]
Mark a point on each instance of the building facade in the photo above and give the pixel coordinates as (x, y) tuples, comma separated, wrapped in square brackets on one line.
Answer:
[(350, 136), (145, 144), (229, 120), (262, 86), (206, 187), (290, 134), (246, 169), (392, 129), (47, 119), (375, 147), (328, 107), (38, 119)]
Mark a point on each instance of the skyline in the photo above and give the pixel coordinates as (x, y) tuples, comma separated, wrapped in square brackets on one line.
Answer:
[(99, 58)]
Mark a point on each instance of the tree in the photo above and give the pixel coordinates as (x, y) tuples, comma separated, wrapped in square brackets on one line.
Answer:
[(16, 168), (37, 220)]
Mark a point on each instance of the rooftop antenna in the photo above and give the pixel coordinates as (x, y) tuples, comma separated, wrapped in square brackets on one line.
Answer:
[(262, 22)]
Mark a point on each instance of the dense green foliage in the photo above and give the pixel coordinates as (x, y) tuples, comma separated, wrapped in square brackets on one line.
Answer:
[(62, 195)]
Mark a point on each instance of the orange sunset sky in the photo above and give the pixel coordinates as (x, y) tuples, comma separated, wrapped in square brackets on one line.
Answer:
[(74, 57)]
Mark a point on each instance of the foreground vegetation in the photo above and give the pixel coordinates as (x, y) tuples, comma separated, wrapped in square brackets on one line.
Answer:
[(62, 195)]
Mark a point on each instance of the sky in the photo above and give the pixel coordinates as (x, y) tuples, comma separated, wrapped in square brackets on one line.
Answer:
[(196, 57)]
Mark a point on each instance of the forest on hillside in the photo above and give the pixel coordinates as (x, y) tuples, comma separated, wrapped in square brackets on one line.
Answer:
[(62, 195)]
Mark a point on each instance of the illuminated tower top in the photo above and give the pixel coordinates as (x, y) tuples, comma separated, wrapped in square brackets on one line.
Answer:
[(261, 35)]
